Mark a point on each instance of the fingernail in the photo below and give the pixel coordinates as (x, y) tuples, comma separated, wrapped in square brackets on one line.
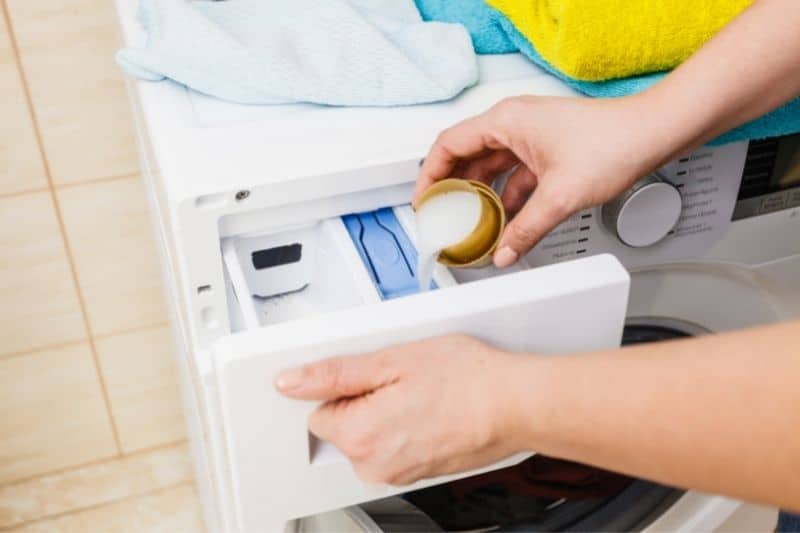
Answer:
[(289, 379), (505, 257)]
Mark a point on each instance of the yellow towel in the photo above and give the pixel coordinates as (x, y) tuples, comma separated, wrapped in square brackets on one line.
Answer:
[(598, 40)]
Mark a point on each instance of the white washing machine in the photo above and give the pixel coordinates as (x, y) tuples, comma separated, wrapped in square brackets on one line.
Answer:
[(285, 236), (731, 261)]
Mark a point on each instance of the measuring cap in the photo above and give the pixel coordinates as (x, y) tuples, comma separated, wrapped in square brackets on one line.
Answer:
[(476, 250)]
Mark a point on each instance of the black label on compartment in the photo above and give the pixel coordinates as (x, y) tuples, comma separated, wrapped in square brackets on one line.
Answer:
[(280, 255)]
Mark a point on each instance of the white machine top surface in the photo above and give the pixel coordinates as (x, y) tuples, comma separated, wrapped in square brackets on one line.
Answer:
[(204, 146)]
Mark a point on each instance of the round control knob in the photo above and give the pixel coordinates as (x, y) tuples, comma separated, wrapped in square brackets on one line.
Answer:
[(645, 214)]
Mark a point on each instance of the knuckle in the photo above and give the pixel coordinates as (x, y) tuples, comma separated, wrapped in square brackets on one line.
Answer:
[(507, 106), (566, 204), (503, 119), (387, 361), (316, 423), (369, 474), (559, 203), (522, 233), (508, 111), (443, 138), (563, 206), (477, 168), (390, 475), (330, 373), (358, 447), (395, 480), (411, 474)]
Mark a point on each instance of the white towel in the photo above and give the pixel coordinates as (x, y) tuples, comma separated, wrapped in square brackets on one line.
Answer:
[(335, 52)]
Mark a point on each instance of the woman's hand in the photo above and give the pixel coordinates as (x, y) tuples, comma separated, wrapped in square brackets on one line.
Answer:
[(569, 154), (413, 411)]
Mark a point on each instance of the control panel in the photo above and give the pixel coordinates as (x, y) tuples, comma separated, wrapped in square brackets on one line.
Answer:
[(644, 214), (770, 178), (681, 211)]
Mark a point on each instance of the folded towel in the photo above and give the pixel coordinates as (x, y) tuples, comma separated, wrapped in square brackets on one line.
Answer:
[(482, 23), (595, 41), (337, 52), (495, 35)]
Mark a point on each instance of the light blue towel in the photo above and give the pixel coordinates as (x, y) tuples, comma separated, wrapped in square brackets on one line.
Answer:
[(335, 52), (493, 33)]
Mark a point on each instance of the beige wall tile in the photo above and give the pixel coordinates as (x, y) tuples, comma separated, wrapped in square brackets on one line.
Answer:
[(170, 510), (53, 412), (142, 385), (21, 167), (67, 51), (38, 298), (112, 244), (93, 485)]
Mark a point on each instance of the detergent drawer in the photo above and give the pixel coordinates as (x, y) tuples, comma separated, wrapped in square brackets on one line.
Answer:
[(294, 273), (277, 471), (324, 266)]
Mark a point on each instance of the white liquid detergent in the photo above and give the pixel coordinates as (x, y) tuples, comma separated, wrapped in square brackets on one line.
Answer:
[(443, 221)]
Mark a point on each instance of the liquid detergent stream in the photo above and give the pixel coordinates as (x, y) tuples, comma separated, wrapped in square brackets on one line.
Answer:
[(443, 221)]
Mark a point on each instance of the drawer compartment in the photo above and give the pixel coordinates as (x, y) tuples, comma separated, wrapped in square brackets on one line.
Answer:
[(294, 273), (322, 267)]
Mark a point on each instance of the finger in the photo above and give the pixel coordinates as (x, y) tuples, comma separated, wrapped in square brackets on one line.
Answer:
[(337, 377), (546, 208), (332, 420), (460, 168), (485, 169), (407, 477), (466, 140), (352, 425), (518, 189)]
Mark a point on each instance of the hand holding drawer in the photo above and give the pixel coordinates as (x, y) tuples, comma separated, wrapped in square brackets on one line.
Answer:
[(414, 411)]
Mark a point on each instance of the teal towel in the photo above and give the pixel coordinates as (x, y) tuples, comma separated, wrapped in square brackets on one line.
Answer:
[(493, 33)]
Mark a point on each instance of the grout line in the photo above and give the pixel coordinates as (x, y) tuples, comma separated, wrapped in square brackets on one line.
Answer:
[(67, 344), (37, 131), (45, 348), (95, 462), (99, 505), (134, 329), (92, 181), (23, 192), (155, 448)]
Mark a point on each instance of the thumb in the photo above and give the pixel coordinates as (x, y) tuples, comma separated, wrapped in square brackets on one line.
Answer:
[(334, 378), (544, 210)]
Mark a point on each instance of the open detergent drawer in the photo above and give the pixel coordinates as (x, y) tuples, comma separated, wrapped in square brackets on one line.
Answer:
[(323, 266), (277, 471), (294, 273)]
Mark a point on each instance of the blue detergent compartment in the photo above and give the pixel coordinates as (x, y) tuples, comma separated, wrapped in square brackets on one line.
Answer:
[(386, 250)]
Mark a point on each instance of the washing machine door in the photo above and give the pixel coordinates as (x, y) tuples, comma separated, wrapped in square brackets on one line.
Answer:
[(569, 497)]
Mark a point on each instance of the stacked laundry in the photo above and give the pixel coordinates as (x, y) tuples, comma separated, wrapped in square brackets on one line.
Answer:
[(606, 49), (336, 52), (596, 41), (400, 52)]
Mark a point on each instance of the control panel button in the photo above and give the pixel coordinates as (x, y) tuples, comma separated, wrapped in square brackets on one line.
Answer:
[(645, 214)]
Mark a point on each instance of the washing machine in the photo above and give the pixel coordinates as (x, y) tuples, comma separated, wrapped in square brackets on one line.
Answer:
[(728, 259), (285, 235)]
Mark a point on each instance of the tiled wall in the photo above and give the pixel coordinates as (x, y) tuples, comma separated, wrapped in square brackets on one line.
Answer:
[(85, 366)]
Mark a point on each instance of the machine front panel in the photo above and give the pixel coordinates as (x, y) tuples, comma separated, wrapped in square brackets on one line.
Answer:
[(740, 204)]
